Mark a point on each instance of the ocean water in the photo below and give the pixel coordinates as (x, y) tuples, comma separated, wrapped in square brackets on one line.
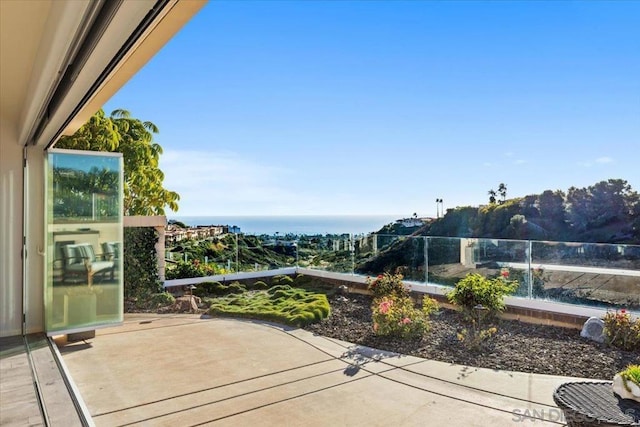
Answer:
[(296, 224)]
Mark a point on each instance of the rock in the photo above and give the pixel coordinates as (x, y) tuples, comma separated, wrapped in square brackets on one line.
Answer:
[(186, 304), (633, 391), (593, 329)]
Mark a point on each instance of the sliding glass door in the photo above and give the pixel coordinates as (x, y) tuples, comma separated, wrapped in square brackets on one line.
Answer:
[(84, 283)]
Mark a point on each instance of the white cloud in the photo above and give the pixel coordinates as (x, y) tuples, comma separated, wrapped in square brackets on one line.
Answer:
[(227, 183), (519, 162), (216, 183), (604, 160), (600, 160)]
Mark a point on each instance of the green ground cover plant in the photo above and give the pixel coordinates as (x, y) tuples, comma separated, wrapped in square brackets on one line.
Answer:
[(631, 374), (281, 303), (205, 289)]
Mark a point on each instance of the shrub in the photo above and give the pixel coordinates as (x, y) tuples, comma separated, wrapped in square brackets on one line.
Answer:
[(396, 315), (282, 280), (386, 285), (480, 299), (195, 268), (162, 299), (140, 262), (206, 288), (522, 276), (621, 330), (475, 293)]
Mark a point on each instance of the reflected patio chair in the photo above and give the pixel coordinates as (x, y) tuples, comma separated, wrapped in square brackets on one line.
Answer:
[(111, 252), (80, 261)]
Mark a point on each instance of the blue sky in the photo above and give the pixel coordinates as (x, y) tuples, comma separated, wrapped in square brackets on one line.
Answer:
[(377, 107)]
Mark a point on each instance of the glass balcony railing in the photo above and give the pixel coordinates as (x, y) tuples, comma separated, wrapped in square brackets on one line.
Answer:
[(601, 275)]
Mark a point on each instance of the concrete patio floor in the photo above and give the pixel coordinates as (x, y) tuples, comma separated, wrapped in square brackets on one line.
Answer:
[(183, 370)]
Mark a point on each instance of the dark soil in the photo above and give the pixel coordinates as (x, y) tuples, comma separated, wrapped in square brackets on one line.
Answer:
[(517, 346)]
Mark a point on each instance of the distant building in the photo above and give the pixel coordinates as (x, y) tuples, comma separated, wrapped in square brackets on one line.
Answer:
[(234, 229), (175, 234), (410, 222)]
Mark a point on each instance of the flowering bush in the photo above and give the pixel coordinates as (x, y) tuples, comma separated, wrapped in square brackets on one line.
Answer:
[(396, 315), (621, 330), (537, 278), (386, 285)]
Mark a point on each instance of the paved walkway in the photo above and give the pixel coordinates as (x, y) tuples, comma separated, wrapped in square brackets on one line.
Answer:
[(183, 370)]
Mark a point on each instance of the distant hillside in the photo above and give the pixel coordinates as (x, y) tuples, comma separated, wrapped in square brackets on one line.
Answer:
[(606, 212)]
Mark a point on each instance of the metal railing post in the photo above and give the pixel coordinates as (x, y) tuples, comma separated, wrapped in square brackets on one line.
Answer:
[(352, 247), (426, 260), (530, 275)]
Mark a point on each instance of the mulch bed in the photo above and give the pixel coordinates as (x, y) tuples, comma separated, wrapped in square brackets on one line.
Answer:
[(517, 346)]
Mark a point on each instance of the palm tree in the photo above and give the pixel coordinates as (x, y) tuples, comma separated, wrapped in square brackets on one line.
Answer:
[(502, 189)]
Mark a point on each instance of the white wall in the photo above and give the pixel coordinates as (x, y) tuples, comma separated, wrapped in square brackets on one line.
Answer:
[(10, 230)]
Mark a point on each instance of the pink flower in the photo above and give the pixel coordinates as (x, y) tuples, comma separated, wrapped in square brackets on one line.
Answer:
[(385, 306), (406, 320), (505, 274)]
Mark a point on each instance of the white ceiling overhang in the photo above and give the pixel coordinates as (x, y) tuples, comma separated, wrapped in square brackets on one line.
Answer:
[(62, 60)]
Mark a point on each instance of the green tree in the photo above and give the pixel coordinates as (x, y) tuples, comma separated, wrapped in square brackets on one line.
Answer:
[(612, 200), (635, 219), (578, 200), (551, 205), (144, 193), (601, 204)]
